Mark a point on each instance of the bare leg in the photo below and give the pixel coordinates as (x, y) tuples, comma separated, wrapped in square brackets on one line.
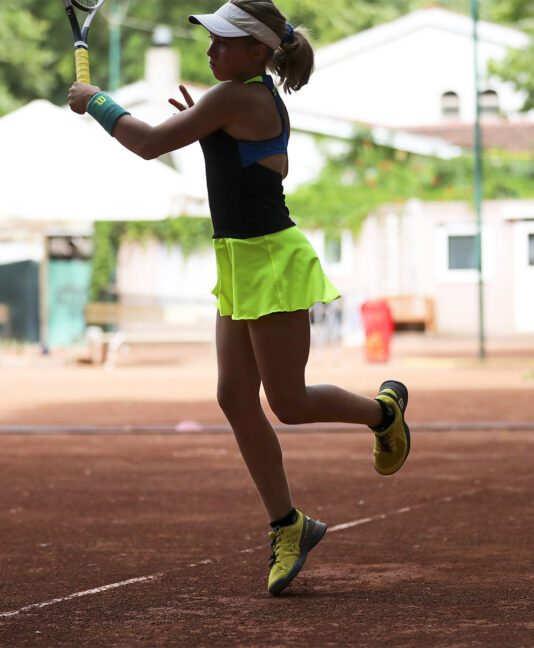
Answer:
[(238, 395), (281, 343)]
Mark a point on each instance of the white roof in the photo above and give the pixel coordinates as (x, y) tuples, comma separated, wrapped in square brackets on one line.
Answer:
[(435, 17), (57, 168)]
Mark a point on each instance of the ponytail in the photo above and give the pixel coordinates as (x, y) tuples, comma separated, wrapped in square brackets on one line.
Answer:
[(293, 60)]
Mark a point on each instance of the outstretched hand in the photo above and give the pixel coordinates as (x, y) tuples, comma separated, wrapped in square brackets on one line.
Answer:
[(188, 100)]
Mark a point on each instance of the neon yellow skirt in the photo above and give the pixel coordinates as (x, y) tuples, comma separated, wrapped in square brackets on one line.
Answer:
[(268, 274)]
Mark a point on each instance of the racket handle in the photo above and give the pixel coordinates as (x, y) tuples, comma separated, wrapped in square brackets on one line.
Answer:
[(81, 56)]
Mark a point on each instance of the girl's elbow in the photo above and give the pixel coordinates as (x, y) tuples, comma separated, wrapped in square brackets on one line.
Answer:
[(149, 147), (147, 155), (147, 150), (152, 150), (153, 145)]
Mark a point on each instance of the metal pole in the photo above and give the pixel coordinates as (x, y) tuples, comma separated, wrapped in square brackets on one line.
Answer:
[(43, 296), (478, 186), (115, 46)]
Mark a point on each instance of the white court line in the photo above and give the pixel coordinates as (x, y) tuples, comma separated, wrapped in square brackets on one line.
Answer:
[(404, 509), (96, 590), (207, 561)]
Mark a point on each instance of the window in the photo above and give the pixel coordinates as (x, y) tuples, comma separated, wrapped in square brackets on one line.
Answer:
[(489, 103), (450, 106), (463, 252), (531, 249), (456, 253), (332, 248)]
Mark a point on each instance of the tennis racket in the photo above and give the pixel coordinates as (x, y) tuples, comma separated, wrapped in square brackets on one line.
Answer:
[(81, 52)]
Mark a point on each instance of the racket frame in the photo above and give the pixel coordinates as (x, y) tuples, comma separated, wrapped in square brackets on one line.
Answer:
[(80, 37)]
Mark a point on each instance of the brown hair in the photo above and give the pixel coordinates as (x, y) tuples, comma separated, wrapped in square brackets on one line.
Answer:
[(292, 62)]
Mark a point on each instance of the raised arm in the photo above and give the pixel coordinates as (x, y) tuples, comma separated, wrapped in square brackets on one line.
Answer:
[(216, 109)]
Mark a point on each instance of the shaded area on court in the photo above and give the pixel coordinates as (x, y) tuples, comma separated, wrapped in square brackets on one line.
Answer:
[(442, 558)]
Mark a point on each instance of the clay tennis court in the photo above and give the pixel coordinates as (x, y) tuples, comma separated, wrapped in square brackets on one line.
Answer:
[(141, 534)]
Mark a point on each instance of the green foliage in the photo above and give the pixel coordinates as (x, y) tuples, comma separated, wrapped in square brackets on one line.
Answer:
[(187, 232), (331, 21), (353, 185), (106, 240), (24, 58), (518, 66), (518, 69), (513, 11)]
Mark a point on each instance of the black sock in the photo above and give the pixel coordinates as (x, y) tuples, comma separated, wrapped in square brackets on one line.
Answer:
[(288, 519), (388, 416)]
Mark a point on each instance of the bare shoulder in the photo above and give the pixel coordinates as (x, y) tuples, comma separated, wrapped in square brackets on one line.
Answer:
[(226, 93), (233, 101), (243, 110)]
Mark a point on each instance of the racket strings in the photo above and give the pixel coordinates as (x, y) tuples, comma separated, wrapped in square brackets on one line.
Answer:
[(87, 5)]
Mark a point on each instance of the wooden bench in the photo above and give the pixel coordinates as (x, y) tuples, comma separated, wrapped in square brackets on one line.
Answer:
[(145, 324), (413, 310)]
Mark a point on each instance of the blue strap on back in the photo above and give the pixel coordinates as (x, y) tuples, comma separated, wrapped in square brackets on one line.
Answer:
[(251, 150)]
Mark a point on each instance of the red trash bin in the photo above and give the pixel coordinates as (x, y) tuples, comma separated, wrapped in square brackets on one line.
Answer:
[(378, 326)]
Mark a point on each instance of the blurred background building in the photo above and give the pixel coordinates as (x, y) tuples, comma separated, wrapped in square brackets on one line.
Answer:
[(407, 84)]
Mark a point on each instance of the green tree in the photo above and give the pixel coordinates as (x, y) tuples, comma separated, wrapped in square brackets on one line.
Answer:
[(518, 66), (518, 69), (513, 12), (24, 57)]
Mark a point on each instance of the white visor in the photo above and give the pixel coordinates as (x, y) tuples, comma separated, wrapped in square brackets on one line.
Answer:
[(231, 22)]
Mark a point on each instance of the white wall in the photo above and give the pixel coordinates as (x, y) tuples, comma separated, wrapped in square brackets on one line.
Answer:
[(159, 274), (523, 274), (419, 265)]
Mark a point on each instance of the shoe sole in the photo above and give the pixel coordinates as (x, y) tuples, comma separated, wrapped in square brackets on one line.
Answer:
[(316, 536), (396, 387)]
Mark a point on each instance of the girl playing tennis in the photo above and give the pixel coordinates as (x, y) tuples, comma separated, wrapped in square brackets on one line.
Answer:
[(268, 275)]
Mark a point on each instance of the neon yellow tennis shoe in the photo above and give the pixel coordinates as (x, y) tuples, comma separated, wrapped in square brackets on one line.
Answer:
[(392, 445), (290, 545)]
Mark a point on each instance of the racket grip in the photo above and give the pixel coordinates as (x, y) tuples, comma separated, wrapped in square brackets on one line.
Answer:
[(81, 56)]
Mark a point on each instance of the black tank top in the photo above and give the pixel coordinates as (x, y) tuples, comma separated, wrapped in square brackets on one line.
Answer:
[(246, 198)]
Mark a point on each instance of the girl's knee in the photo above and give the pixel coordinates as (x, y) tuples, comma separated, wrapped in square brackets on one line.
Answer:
[(289, 411), (227, 397), (234, 398)]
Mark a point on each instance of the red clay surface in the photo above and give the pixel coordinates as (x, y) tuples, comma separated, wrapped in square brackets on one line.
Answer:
[(443, 555), (440, 555)]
